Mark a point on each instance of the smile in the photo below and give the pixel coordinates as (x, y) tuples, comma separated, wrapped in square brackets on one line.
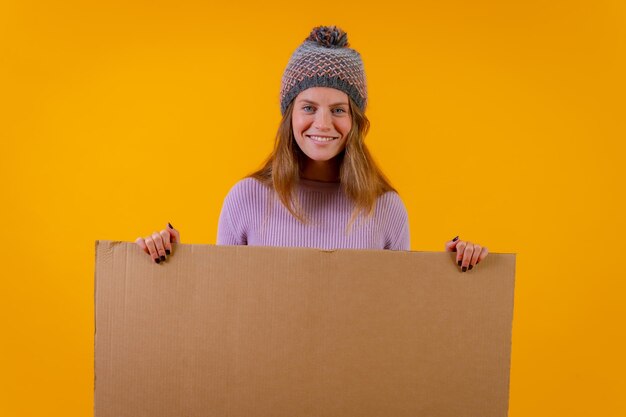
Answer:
[(322, 138)]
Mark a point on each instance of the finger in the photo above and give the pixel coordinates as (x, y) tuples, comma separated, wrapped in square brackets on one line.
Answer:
[(158, 242), (142, 244), (475, 254), (174, 234), (483, 254), (152, 248), (451, 245), (460, 249), (467, 255), (165, 235)]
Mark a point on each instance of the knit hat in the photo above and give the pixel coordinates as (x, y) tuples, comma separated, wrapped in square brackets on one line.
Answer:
[(324, 60)]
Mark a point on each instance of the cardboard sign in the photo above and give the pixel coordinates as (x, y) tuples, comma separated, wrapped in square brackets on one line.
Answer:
[(244, 331)]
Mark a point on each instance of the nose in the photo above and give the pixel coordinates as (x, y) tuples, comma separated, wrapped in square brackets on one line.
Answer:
[(323, 120)]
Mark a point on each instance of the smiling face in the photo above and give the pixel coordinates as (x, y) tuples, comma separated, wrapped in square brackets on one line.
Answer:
[(321, 121)]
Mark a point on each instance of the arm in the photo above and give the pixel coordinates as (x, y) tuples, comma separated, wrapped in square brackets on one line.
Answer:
[(398, 224), (230, 232)]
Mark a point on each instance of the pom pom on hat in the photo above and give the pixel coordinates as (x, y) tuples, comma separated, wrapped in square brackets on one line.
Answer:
[(329, 36)]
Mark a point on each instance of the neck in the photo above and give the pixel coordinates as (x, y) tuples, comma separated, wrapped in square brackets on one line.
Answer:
[(326, 171)]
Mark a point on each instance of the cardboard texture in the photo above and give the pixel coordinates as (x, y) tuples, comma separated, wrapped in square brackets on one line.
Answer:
[(236, 331)]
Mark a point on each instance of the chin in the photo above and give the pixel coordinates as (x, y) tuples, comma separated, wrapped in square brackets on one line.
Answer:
[(320, 158)]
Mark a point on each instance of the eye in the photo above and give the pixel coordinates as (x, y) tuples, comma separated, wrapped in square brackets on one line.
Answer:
[(307, 107), (341, 110)]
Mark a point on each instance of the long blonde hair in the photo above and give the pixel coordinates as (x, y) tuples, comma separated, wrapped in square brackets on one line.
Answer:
[(361, 179)]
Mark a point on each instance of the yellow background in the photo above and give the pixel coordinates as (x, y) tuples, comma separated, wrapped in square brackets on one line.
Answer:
[(502, 122)]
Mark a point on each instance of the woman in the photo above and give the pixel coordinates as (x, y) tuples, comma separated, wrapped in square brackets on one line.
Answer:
[(320, 186)]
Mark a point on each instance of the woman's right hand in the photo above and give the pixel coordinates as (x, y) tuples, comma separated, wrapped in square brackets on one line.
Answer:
[(158, 245)]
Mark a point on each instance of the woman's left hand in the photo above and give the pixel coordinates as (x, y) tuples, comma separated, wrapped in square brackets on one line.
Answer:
[(468, 254)]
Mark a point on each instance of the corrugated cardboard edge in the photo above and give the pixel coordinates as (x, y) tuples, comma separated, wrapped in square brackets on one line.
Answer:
[(510, 337), (102, 248)]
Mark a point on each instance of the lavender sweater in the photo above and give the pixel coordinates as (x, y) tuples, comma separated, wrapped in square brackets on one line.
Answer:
[(248, 218)]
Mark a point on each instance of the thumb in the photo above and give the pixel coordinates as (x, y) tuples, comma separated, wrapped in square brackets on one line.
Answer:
[(174, 234), (451, 245)]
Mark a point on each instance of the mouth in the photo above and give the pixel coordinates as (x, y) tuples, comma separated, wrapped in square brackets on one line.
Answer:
[(322, 139)]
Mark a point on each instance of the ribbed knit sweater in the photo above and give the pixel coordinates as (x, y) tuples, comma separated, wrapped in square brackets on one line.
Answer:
[(253, 215)]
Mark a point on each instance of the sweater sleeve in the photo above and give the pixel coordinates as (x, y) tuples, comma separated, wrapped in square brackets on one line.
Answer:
[(230, 228), (397, 222)]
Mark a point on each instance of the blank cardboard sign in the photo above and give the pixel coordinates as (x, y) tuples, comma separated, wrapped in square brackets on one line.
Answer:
[(236, 331)]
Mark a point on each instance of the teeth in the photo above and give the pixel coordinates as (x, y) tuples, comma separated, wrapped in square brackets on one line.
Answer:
[(321, 139)]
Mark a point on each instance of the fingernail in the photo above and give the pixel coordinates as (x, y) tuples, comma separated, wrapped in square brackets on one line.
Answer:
[(464, 268), (170, 225), (167, 251), (470, 267), (460, 262), (455, 239), (157, 260), (163, 257)]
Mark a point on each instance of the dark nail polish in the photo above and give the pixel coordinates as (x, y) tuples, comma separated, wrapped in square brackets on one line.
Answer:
[(455, 239), (167, 251), (464, 268), (460, 262), (157, 260), (470, 267), (163, 258), (170, 226)]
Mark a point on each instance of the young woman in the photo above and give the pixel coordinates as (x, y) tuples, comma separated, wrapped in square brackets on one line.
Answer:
[(319, 187)]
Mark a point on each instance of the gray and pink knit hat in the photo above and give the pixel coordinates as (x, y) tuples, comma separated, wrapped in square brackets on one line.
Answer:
[(324, 60)]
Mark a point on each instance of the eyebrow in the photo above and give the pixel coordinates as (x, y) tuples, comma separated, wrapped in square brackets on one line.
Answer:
[(312, 102)]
